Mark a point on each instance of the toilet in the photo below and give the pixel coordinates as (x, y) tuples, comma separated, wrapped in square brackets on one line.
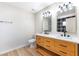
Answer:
[(31, 43)]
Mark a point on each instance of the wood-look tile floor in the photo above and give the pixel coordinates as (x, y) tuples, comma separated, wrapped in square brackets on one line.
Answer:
[(22, 52)]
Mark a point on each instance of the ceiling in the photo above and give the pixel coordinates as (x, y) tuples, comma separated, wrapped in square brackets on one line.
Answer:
[(29, 6)]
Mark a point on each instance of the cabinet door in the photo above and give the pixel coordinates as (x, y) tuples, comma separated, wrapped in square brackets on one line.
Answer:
[(40, 40)]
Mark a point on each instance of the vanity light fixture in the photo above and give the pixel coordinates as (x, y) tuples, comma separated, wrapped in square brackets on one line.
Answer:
[(46, 14), (65, 7)]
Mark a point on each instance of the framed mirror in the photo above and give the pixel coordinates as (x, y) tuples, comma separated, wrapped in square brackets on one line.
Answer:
[(46, 23), (67, 21)]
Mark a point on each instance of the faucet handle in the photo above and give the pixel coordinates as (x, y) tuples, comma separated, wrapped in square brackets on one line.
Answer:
[(68, 35)]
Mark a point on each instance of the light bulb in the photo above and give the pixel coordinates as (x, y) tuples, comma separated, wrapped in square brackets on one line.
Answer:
[(64, 7), (70, 6)]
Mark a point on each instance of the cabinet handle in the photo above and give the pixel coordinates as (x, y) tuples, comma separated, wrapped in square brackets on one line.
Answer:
[(63, 52), (63, 45), (47, 41)]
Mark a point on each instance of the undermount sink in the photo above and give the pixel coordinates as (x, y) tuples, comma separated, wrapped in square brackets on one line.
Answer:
[(59, 36), (66, 37)]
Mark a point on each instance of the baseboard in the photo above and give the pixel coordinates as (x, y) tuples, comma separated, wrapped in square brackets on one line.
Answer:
[(12, 49)]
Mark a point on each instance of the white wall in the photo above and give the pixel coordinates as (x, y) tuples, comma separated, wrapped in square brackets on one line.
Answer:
[(77, 12), (53, 8), (15, 34)]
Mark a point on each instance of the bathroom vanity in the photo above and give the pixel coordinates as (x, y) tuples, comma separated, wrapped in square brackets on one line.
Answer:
[(53, 45)]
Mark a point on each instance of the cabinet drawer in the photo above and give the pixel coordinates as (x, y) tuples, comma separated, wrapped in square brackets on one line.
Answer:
[(64, 45), (64, 52), (60, 52), (47, 41)]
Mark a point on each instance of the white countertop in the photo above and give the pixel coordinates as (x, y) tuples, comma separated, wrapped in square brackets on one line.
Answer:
[(72, 38)]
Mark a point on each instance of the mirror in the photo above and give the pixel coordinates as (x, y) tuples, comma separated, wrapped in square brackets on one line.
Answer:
[(67, 21), (46, 26), (71, 25)]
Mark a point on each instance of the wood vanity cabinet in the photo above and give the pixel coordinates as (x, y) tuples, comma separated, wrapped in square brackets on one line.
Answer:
[(60, 47)]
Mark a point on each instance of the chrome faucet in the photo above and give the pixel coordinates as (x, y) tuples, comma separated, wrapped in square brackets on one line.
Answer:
[(65, 33)]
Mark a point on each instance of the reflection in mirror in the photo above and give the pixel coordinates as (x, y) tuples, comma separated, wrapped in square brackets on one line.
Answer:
[(64, 23), (71, 25)]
